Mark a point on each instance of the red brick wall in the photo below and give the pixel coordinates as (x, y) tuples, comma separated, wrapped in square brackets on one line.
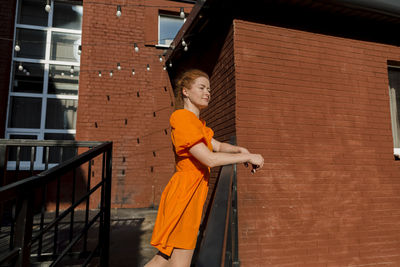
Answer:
[(317, 108), (7, 15), (140, 170), (220, 114)]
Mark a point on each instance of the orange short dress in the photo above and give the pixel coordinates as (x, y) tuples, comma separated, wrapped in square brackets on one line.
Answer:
[(182, 201)]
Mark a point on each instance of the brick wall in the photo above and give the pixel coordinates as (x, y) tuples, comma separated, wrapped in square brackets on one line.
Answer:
[(220, 114), (7, 11), (132, 111), (317, 108)]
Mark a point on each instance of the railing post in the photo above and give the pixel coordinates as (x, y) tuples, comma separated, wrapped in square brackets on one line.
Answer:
[(23, 227), (105, 250), (3, 169)]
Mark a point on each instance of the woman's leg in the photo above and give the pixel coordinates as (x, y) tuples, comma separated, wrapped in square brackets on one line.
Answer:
[(181, 257), (159, 260)]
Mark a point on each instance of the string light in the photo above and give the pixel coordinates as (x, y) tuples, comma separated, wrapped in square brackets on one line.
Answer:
[(119, 13), (164, 67), (62, 74), (183, 42), (20, 67), (24, 70), (72, 76), (27, 73), (99, 73), (133, 71), (185, 48), (47, 7), (170, 64), (72, 69), (17, 47), (79, 50), (136, 47), (160, 58), (182, 13), (148, 67), (111, 73), (118, 66)]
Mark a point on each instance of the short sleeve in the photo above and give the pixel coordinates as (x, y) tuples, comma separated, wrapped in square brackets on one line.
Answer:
[(186, 131)]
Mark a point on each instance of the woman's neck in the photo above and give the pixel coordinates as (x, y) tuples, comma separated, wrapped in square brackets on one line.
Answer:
[(192, 108)]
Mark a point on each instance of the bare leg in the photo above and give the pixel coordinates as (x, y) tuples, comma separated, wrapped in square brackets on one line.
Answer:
[(181, 257), (158, 261)]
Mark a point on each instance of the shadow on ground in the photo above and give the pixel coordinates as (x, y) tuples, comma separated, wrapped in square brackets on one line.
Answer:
[(131, 231)]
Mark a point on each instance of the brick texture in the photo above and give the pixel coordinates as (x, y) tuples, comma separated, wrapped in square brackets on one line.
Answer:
[(132, 111), (317, 108)]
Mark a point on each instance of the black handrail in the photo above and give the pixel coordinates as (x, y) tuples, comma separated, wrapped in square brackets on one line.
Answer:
[(22, 192), (219, 244)]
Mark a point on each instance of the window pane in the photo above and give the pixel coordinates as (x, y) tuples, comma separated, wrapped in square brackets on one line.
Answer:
[(61, 113), (28, 77), (169, 27), (32, 43), (54, 152), (394, 90), (25, 152), (62, 81), (67, 16), (32, 12), (25, 112), (65, 47)]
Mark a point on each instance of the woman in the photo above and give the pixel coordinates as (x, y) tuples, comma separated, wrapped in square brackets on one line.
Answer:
[(179, 214)]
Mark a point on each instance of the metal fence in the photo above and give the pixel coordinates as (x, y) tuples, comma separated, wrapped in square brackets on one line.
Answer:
[(219, 233), (29, 233)]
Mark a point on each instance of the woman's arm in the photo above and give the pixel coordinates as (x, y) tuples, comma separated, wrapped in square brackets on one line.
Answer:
[(228, 148), (213, 159)]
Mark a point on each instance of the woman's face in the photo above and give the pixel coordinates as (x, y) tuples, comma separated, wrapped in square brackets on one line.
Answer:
[(199, 93)]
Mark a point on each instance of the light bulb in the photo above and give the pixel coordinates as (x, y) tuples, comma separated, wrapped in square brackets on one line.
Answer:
[(72, 76), (118, 66), (136, 47), (148, 67), (47, 7), (79, 50), (164, 67), (160, 57), (119, 13), (185, 48), (99, 73), (72, 69), (20, 67), (111, 73), (133, 71), (182, 13), (62, 74), (17, 47), (183, 42), (24, 70), (28, 73), (170, 64)]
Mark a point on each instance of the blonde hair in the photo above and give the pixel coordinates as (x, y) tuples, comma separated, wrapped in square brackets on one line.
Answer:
[(185, 80)]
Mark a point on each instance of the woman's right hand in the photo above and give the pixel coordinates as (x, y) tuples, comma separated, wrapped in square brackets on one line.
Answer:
[(256, 159)]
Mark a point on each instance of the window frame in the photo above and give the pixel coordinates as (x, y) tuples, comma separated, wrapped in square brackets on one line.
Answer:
[(44, 95), (166, 14)]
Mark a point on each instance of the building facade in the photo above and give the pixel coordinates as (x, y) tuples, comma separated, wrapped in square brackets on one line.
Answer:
[(306, 85), (90, 70)]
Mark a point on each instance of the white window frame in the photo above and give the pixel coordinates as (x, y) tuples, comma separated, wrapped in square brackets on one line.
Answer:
[(159, 26), (40, 133)]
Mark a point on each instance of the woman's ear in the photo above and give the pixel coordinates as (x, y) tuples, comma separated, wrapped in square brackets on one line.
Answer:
[(185, 92)]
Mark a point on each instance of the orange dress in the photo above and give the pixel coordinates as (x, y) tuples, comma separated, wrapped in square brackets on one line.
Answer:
[(182, 201)]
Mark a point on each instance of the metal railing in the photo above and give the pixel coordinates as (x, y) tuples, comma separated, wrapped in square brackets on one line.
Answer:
[(218, 239), (28, 235)]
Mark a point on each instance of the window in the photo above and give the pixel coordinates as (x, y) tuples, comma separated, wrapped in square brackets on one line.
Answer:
[(43, 96), (394, 93), (168, 27)]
